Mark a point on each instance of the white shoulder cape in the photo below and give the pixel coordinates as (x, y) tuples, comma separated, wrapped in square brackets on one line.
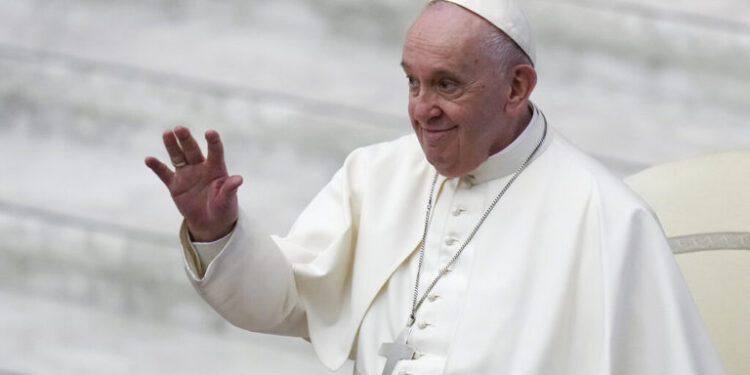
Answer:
[(594, 288)]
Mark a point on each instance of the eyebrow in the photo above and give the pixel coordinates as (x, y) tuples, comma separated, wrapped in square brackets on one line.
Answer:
[(439, 72)]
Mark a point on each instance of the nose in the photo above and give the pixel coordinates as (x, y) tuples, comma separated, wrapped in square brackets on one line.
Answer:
[(424, 108)]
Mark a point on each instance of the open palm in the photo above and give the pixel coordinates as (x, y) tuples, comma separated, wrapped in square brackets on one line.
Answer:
[(201, 188)]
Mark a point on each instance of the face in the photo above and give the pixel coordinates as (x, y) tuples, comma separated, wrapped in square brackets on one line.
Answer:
[(456, 95)]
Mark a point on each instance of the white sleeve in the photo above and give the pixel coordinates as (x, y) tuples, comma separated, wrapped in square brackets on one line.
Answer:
[(203, 253), (247, 281), (299, 284)]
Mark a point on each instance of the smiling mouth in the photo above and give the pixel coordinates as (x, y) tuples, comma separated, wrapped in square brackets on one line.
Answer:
[(438, 131)]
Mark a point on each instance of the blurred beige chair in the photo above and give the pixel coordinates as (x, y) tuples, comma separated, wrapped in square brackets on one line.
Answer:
[(704, 207)]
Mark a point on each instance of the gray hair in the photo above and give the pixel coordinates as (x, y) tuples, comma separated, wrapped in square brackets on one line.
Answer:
[(506, 52)]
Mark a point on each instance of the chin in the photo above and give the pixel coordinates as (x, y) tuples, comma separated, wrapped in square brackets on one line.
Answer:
[(445, 163), (445, 169)]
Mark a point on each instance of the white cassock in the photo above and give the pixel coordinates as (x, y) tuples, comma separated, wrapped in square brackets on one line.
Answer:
[(569, 275)]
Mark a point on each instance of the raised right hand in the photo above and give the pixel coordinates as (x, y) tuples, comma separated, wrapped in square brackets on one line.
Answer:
[(201, 188)]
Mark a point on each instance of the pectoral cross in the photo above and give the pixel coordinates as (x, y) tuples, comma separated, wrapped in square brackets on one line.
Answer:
[(396, 351)]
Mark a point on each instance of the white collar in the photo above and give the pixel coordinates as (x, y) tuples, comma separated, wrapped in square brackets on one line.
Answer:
[(509, 159)]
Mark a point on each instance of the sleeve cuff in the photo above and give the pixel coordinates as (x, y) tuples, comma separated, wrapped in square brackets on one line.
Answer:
[(198, 255)]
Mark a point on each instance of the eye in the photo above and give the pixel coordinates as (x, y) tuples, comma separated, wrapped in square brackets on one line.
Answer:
[(447, 85), (412, 82)]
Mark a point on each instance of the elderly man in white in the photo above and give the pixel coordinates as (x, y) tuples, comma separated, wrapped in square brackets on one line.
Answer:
[(484, 243)]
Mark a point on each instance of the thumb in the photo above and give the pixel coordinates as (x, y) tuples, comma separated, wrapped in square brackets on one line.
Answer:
[(229, 187)]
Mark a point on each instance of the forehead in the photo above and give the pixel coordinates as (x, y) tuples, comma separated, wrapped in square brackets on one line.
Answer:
[(445, 34)]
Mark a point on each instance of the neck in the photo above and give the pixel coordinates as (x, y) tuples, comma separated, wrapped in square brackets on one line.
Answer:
[(518, 125)]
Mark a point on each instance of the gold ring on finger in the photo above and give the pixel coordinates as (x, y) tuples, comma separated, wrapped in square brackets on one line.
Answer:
[(180, 164)]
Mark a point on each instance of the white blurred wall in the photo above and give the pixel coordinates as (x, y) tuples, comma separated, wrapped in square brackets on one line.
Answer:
[(90, 275)]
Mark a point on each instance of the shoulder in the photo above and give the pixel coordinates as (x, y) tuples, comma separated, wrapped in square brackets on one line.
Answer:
[(589, 200), (400, 154), (579, 172), (575, 185), (404, 147), (377, 166)]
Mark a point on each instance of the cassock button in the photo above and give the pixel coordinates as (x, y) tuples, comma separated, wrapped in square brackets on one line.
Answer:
[(423, 325), (458, 211), (450, 241), (433, 297)]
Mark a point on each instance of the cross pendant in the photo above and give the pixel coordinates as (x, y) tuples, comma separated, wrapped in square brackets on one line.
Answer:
[(396, 351)]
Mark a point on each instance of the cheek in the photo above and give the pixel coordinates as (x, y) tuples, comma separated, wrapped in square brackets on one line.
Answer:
[(471, 131)]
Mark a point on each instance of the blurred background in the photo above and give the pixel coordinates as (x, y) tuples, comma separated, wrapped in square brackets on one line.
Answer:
[(91, 278)]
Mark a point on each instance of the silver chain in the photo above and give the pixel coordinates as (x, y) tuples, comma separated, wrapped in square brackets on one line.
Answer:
[(416, 304)]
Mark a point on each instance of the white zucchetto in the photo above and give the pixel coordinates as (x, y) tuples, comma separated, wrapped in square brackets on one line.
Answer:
[(507, 16)]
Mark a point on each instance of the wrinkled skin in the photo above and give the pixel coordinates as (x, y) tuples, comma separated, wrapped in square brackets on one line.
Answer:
[(462, 107)]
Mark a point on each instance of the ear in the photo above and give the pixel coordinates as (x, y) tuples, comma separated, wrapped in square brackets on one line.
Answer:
[(522, 83)]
